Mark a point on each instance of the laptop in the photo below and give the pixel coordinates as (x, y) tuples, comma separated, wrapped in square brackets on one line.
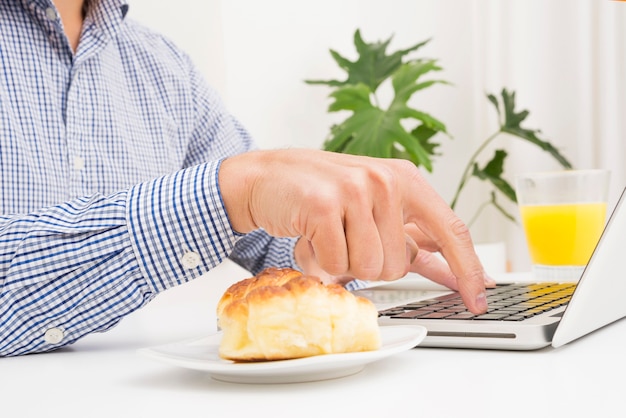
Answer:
[(551, 314)]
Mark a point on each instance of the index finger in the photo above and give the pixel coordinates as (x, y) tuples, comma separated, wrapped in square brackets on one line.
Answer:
[(425, 207)]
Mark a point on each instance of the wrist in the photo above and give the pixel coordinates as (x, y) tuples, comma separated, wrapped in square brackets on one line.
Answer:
[(235, 178)]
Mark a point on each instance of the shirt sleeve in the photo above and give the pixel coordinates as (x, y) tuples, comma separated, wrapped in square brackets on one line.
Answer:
[(81, 266)]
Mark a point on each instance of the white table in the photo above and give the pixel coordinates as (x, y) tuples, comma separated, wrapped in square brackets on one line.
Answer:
[(103, 376)]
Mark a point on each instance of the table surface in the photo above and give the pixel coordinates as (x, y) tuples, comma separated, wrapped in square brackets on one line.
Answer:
[(103, 375)]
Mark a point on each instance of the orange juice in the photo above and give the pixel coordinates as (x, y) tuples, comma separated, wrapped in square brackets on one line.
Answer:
[(564, 234)]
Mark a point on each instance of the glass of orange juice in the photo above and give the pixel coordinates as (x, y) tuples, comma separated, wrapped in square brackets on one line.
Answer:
[(563, 215)]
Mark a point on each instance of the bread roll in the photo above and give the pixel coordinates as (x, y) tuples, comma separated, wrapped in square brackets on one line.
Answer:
[(281, 314)]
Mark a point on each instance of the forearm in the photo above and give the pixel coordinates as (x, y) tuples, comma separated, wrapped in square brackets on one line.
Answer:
[(81, 266), (64, 268)]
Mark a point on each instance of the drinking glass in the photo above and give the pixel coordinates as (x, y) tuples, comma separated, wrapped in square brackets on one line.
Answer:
[(563, 214)]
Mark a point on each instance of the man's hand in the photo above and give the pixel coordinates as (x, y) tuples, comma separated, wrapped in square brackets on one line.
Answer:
[(363, 217)]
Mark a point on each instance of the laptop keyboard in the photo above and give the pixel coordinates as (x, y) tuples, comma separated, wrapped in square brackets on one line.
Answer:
[(507, 302)]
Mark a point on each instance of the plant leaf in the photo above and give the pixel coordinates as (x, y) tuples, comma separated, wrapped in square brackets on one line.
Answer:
[(373, 65), (424, 134), (351, 97), (492, 172), (512, 125), (404, 80), (381, 133), (494, 100)]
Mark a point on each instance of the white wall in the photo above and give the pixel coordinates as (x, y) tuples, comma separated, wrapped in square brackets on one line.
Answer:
[(565, 58)]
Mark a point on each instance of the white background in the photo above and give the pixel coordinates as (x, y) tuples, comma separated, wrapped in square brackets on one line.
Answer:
[(565, 58)]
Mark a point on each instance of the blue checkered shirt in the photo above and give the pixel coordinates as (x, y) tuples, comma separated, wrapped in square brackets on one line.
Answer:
[(108, 175)]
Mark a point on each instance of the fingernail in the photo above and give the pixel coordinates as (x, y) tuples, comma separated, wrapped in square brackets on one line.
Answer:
[(481, 302)]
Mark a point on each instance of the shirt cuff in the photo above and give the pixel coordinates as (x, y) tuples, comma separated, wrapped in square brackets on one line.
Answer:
[(179, 226)]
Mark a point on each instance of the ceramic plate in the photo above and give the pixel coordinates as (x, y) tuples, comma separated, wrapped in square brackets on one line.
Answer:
[(202, 354)]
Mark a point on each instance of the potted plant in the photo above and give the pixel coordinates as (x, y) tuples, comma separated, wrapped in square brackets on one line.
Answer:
[(401, 131), (509, 122)]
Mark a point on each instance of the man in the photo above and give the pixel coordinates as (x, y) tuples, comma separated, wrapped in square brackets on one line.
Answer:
[(123, 175)]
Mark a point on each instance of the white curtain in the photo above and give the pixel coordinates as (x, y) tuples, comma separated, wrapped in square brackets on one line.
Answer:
[(566, 59)]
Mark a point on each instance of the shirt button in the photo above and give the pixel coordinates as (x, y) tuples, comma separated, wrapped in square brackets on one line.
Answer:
[(51, 14), (79, 163), (191, 260), (54, 335)]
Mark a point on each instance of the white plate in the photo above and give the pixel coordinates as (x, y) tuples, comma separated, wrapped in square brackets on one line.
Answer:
[(202, 354)]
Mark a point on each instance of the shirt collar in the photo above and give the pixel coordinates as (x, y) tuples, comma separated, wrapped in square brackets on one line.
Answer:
[(107, 15), (104, 19), (100, 8)]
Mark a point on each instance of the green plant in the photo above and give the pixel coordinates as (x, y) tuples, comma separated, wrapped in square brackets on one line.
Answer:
[(509, 123), (400, 131), (397, 131)]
